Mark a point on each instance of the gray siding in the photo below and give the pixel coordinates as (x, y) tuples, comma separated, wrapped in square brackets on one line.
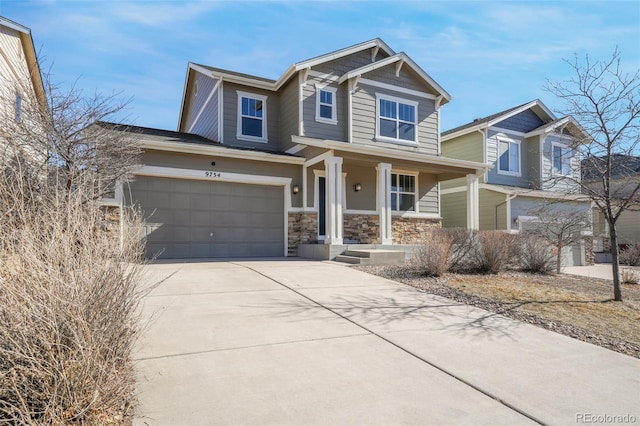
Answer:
[(345, 64), (207, 123), (364, 199), (364, 120), (428, 195), (524, 122), (288, 113), (493, 177), (549, 181), (407, 78), (315, 129), (231, 117)]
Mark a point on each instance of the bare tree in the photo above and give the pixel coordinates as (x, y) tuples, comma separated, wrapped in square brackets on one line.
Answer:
[(605, 100), (560, 226), (68, 141)]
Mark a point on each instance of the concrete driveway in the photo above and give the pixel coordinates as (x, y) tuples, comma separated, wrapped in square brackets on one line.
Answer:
[(293, 342)]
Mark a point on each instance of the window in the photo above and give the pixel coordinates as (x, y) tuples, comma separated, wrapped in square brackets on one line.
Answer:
[(252, 117), (509, 157), (403, 192), (18, 108), (396, 119), (561, 160), (326, 105)]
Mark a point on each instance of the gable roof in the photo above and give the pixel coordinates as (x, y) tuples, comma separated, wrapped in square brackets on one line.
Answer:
[(621, 166), (565, 121), (274, 85), (490, 120), (400, 58), (30, 56)]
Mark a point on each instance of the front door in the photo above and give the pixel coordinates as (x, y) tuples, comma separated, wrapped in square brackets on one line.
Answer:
[(322, 208)]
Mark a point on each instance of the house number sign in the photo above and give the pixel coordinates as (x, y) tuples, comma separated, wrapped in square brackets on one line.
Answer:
[(213, 174)]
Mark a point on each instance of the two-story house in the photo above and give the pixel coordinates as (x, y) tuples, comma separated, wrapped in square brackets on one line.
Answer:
[(343, 148), (532, 153), (21, 88)]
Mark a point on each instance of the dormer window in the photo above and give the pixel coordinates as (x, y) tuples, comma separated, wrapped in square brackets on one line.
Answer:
[(326, 105), (561, 160), (508, 157), (396, 119), (252, 117)]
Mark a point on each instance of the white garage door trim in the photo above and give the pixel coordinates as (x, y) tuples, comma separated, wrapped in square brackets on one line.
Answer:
[(214, 176)]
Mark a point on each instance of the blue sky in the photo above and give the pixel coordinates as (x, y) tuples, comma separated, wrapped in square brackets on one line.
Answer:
[(489, 55)]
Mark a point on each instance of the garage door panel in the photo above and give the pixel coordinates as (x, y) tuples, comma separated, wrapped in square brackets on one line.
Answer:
[(187, 219)]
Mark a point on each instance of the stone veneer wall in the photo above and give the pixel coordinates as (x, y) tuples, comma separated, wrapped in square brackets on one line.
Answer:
[(365, 229), (589, 255), (303, 229), (411, 230)]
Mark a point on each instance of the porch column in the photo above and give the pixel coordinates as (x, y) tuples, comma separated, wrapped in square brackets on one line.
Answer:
[(473, 202), (333, 176), (384, 202)]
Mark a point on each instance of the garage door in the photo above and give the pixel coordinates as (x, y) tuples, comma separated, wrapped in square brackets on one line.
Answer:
[(572, 255), (193, 218)]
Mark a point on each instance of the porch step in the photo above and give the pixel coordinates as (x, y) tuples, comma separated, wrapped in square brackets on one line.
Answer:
[(362, 256)]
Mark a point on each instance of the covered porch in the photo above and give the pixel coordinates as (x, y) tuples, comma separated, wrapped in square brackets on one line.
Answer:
[(368, 197)]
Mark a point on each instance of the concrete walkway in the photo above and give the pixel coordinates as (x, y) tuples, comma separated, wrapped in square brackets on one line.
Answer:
[(292, 342)]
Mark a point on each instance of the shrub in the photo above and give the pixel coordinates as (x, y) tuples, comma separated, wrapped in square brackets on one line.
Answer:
[(631, 255), (629, 276), (462, 245), (431, 258), (69, 293), (536, 255), (491, 252)]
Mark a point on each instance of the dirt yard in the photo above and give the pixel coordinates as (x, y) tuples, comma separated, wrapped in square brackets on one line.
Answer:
[(580, 307)]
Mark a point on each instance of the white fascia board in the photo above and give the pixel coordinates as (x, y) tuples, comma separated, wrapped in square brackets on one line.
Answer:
[(393, 154), (344, 52), (462, 132), (555, 125), (189, 148), (533, 193), (246, 81), (391, 60), (184, 97), (14, 26)]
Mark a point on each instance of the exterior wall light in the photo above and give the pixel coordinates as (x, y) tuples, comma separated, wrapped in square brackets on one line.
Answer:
[(358, 187), (296, 189)]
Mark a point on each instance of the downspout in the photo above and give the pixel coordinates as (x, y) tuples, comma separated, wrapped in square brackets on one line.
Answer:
[(507, 200)]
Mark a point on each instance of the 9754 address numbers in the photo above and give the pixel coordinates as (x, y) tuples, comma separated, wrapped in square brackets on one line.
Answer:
[(213, 174)]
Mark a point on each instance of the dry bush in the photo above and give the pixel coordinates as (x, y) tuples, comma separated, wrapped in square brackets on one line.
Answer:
[(492, 251), (535, 255), (462, 245), (631, 255), (431, 258), (629, 276), (69, 296)]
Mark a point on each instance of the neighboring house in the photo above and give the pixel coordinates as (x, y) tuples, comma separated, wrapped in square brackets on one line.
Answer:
[(21, 89), (625, 176), (531, 151), (343, 148)]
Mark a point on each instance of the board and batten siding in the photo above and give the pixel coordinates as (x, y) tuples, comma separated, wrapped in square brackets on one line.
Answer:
[(364, 116), (207, 118), (343, 65), (524, 122), (289, 115), (320, 130), (230, 125)]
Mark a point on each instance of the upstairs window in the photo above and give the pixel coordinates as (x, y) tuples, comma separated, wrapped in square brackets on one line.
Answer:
[(396, 119), (326, 105), (403, 192), (18, 108), (561, 160), (509, 157), (252, 117)]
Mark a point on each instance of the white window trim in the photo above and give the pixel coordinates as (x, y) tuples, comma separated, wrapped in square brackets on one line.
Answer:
[(553, 157), (416, 201), (334, 105), (510, 141), (396, 100), (239, 135)]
